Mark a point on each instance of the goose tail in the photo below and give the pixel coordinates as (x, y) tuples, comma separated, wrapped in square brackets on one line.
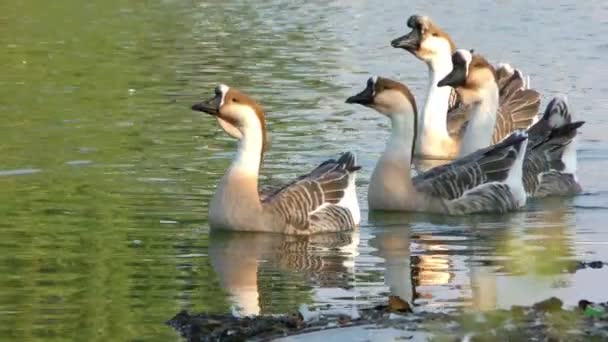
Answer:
[(559, 118), (557, 113), (555, 133), (348, 161), (519, 141)]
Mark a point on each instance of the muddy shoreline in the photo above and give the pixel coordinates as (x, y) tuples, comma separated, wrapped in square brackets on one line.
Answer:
[(544, 321)]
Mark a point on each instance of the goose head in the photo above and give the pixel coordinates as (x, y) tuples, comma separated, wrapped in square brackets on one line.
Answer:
[(237, 113), (426, 40), (472, 76), (386, 96)]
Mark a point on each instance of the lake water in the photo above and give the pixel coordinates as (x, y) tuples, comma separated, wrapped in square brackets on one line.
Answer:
[(106, 173)]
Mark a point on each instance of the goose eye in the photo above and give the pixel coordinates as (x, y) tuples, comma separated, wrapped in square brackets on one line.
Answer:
[(235, 100)]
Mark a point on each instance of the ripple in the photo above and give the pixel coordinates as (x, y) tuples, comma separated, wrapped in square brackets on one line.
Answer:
[(19, 172)]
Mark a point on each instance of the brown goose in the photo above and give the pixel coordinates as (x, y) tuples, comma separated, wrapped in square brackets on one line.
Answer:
[(443, 117), (488, 180), (323, 200), (550, 164)]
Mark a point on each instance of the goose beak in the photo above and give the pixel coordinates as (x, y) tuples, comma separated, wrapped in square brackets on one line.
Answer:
[(409, 42), (209, 106), (365, 98), (455, 78)]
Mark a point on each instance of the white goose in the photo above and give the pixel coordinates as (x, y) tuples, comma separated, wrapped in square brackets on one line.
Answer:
[(488, 180), (322, 201), (442, 119), (550, 164)]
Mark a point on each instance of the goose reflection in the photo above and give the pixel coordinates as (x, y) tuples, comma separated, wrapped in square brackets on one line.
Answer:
[(391, 239), (240, 259), (528, 262)]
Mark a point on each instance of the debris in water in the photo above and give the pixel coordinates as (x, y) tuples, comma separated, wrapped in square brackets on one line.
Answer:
[(549, 305), (544, 321), (591, 309), (596, 264), (307, 315), (395, 303)]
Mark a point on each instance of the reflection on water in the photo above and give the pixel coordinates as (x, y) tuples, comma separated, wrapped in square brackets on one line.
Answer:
[(320, 260), (106, 174), (392, 243)]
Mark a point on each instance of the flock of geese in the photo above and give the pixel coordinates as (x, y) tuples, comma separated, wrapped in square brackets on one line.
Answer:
[(483, 119)]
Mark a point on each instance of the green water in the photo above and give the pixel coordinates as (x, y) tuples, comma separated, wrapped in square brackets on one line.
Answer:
[(105, 173)]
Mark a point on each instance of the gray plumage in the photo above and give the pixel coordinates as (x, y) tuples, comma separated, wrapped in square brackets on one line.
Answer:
[(476, 182), (545, 169), (494, 195), (309, 204)]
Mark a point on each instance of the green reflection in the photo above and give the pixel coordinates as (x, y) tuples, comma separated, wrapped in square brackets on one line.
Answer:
[(109, 239)]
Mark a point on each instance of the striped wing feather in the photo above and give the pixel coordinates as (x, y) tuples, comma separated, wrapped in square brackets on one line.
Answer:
[(557, 184), (490, 197), (491, 164), (309, 202), (516, 112), (518, 106), (517, 109), (454, 100), (548, 140), (458, 118)]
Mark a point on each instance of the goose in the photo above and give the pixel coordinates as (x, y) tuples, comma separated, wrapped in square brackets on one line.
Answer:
[(488, 180), (323, 200), (550, 164), (443, 117)]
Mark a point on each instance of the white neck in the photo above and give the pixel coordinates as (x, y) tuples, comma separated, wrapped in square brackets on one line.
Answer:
[(236, 202), (249, 154), (432, 120), (390, 184), (399, 145), (480, 128)]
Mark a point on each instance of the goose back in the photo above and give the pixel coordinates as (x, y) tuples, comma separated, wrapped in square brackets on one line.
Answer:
[(478, 182), (323, 200)]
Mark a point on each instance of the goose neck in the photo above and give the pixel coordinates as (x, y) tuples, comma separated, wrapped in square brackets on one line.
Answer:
[(434, 113), (480, 128)]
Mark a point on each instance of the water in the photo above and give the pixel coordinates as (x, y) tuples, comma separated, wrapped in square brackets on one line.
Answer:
[(106, 173)]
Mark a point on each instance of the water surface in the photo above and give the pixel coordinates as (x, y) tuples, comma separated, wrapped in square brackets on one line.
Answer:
[(106, 173)]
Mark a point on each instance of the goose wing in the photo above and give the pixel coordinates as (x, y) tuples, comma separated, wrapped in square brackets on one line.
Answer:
[(316, 202), (550, 165), (518, 106), (491, 164), (454, 100), (458, 116)]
